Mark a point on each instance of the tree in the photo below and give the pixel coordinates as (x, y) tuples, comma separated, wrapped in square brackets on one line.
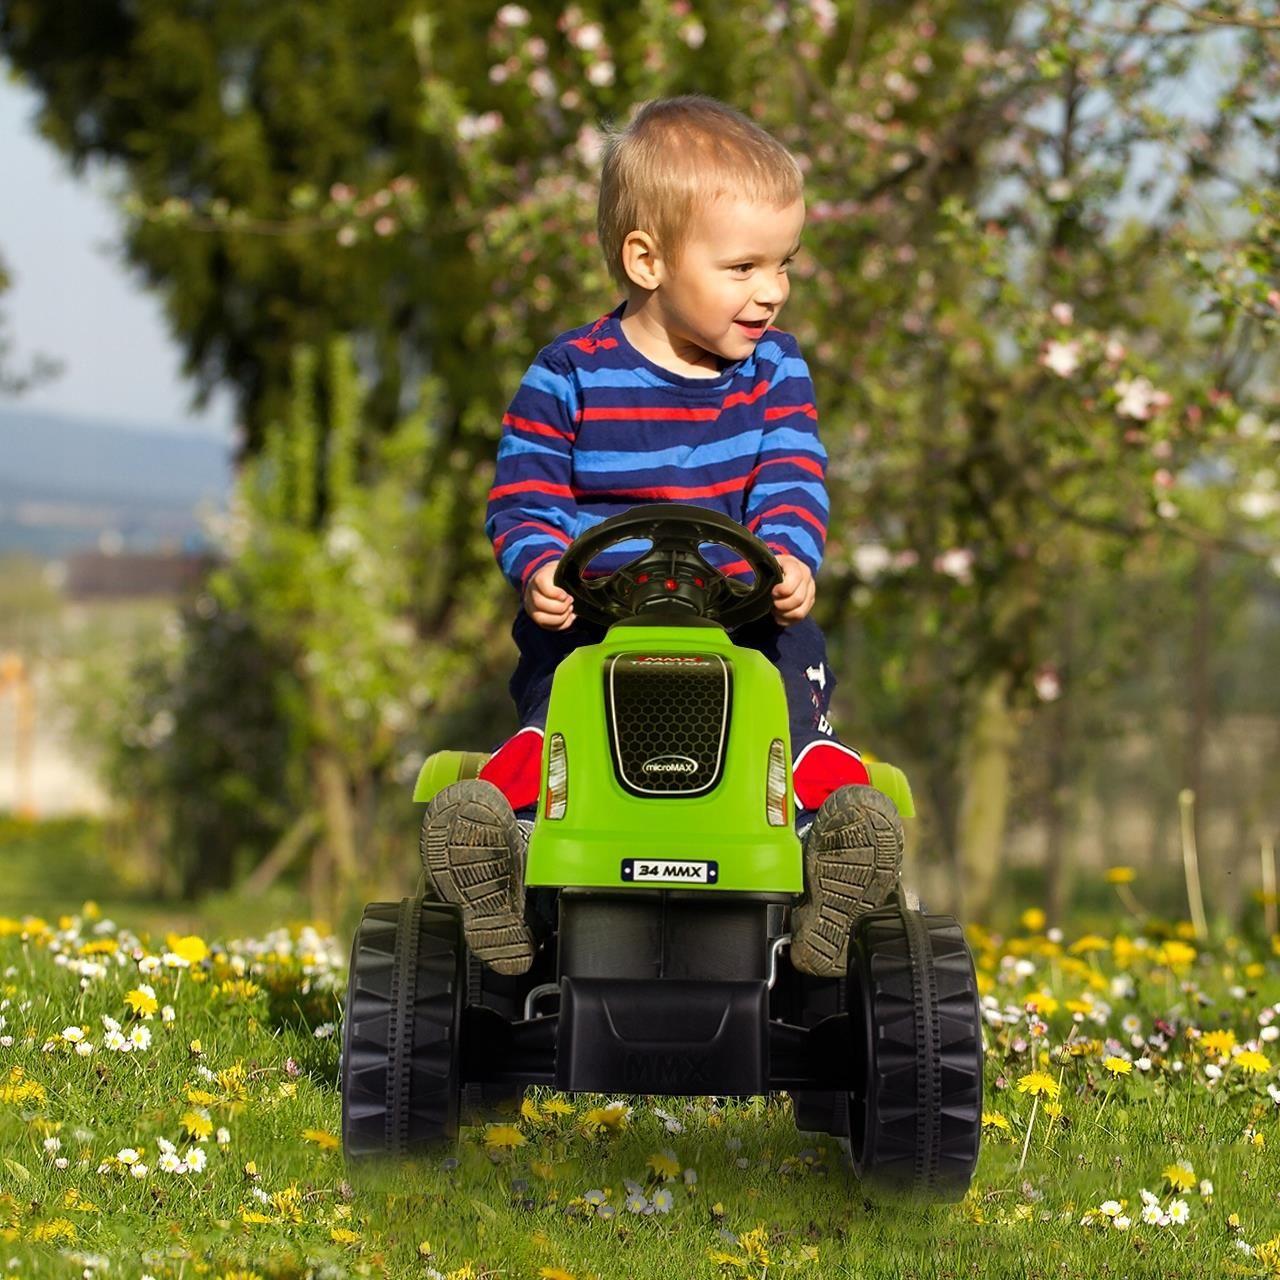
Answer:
[(1007, 334)]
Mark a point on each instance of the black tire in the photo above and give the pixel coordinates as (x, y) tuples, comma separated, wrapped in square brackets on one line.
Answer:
[(400, 1053), (915, 1107)]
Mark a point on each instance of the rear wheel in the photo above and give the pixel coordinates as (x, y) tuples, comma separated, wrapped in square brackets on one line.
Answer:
[(400, 1059), (915, 1105)]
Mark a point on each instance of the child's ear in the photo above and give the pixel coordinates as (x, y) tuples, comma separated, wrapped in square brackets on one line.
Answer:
[(640, 260)]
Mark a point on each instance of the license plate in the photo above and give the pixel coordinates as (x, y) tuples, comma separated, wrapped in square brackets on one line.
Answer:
[(669, 871)]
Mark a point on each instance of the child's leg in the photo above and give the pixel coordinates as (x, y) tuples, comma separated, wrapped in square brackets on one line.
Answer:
[(853, 847), (473, 842)]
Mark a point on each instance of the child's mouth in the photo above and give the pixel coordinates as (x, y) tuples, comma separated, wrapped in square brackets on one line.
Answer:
[(753, 327)]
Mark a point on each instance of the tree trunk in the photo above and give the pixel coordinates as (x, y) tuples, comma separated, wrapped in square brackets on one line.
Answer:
[(984, 803)]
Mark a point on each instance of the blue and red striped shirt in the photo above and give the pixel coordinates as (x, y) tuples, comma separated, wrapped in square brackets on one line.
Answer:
[(596, 428)]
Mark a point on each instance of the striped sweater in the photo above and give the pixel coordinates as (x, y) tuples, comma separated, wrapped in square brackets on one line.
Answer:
[(596, 428)]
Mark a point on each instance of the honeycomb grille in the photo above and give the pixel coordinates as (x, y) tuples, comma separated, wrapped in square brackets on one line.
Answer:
[(668, 718)]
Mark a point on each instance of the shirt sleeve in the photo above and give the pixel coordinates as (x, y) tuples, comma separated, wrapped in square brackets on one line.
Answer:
[(786, 500), (532, 512)]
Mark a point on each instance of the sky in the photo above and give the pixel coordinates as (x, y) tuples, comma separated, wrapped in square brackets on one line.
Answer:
[(73, 298)]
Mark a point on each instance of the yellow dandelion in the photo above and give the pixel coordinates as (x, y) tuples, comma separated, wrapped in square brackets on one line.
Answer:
[(1053, 1110), (201, 1097), (556, 1273), (1090, 942), (143, 1003), (322, 1138), (240, 1275), (1252, 1061), (1038, 1083), (1268, 1256), (755, 1244), (197, 1124), (722, 1259), (1175, 954), (995, 1120), (254, 1217), (55, 1231), (344, 1235), (191, 948), (612, 1118), (1218, 1043), (1117, 1066), (1120, 875), (288, 1203), (557, 1107), (664, 1165), (502, 1137), (1042, 1002), (1180, 1176), (529, 1111), (1033, 919)]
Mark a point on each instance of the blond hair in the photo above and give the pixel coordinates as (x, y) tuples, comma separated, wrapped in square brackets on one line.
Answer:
[(676, 156)]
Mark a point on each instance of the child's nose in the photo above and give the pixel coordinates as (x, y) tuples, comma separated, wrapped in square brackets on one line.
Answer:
[(772, 291)]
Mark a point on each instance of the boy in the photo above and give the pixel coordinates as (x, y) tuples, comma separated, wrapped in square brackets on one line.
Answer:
[(684, 393)]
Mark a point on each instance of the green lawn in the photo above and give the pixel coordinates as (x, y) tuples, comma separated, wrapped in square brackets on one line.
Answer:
[(207, 1147)]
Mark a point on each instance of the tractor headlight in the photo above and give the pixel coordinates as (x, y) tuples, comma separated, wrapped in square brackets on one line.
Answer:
[(776, 785), (557, 777)]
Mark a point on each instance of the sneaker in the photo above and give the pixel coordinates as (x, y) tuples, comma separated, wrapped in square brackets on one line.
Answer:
[(852, 860), (473, 853)]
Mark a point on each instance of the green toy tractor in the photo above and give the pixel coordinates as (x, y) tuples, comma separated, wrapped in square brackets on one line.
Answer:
[(665, 838)]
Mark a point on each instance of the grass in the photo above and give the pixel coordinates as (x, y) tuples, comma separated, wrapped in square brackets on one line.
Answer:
[(1134, 1063)]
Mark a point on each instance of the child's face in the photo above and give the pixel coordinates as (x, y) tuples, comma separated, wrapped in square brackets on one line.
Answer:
[(730, 280)]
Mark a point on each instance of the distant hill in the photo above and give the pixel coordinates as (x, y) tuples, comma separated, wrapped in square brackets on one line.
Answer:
[(66, 483)]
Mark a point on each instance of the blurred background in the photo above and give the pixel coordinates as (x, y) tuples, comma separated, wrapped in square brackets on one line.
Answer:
[(270, 274)]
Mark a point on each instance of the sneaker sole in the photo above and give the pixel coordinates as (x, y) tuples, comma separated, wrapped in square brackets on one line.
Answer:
[(853, 859), (470, 845)]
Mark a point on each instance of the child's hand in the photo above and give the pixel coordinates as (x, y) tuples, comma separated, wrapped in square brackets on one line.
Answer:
[(793, 596), (545, 603)]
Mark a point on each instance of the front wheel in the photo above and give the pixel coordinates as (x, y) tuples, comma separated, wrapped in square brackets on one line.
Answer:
[(915, 1105), (400, 1052)]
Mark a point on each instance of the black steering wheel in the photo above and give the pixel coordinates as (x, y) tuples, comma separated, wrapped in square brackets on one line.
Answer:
[(673, 571)]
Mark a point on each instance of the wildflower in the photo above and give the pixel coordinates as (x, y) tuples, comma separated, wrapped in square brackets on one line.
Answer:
[(754, 1244), (1179, 1212), (84, 1049), (663, 1200), (1180, 1176), (139, 1170), (1206, 1189), (196, 1159), (168, 1014), (191, 949), (1218, 1043), (197, 1124), (502, 1137), (669, 1122), (140, 1037), (1037, 1083), (72, 1035), (1151, 1214), (1117, 1066), (223, 1137), (1120, 875), (1213, 1071), (324, 1031), (595, 1196), (613, 1117), (664, 1164), (1253, 1062), (995, 1120), (142, 1000), (127, 1155), (1110, 1208), (321, 1137), (635, 1202), (170, 1163), (557, 1107), (344, 1235)]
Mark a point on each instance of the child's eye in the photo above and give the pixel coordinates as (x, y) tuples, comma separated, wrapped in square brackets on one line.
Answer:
[(742, 266)]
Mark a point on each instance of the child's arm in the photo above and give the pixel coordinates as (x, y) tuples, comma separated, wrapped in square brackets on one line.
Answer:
[(532, 513), (786, 499)]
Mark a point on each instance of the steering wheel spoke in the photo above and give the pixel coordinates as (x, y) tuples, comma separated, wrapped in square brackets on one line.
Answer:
[(673, 571)]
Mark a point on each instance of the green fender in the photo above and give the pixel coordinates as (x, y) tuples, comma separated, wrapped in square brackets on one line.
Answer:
[(893, 782), (443, 767)]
